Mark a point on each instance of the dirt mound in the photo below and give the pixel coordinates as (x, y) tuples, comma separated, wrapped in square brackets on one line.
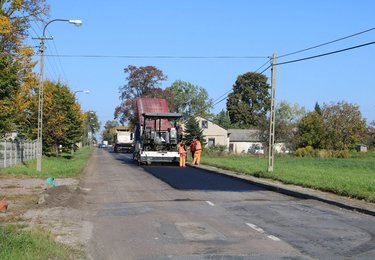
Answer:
[(61, 196)]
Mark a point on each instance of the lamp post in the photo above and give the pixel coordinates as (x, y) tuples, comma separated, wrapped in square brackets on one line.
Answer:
[(41, 89), (83, 91)]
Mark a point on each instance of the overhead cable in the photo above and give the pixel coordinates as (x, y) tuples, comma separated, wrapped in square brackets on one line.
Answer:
[(154, 57), (323, 44), (326, 54)]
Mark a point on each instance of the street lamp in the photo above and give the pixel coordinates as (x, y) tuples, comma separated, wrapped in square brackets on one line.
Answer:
[(41, 89), (83, 91)]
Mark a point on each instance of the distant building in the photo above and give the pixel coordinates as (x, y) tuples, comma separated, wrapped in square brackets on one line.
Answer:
[(243, 139), (361, 148), (214, 134), (248, 140)]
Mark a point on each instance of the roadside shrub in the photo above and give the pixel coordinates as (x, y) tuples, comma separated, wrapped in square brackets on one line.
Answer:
[(216, 150), (304, 151), (308, 151)]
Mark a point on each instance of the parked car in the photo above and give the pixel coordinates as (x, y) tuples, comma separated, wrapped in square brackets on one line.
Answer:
[(256, 149)]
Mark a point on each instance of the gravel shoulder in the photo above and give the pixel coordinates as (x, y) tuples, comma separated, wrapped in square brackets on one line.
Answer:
[(57, 209)]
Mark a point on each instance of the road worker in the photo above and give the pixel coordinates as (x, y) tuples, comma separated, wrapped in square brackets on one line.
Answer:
[(192, 148), (182, 153), (197, 152)]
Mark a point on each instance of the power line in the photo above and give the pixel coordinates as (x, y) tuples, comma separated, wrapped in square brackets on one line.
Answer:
[(326, 54), (307, 58), (153, 56), (323, 44)]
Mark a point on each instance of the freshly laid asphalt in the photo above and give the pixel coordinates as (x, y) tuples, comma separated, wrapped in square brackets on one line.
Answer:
[(297, 191)]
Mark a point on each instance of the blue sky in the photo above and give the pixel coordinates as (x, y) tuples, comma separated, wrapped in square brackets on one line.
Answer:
[(240, 29)]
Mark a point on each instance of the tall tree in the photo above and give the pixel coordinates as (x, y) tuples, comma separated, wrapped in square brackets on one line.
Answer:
[(62, 118), (109, 130), (189, 99), (344, 126), (371, 134), (340, 126), (310, 130), (141, 82), (250, 100), (222, 119), (192, 130), (16, 76), (91, 126), (9, 85)]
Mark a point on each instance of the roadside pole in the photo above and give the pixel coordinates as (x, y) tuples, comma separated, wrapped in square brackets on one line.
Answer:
[(272, 115)]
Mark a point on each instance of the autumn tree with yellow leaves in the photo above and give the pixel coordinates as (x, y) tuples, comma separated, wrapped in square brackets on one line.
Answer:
[(17, 80)]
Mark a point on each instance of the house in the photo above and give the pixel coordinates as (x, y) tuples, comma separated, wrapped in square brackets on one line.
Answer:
[(214, 134), (243, 139)]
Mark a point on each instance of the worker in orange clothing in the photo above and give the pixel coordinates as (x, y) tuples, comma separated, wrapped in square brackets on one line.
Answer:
[(192, 148), (197, 152), (182, 153)]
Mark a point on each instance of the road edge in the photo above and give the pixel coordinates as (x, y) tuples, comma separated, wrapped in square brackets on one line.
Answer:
[(297, 191)]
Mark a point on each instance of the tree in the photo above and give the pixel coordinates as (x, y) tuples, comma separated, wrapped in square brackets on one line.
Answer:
[(286, 119), (340, 126), (250, 100), (371, 134), (222, 119), (189, 99), (9, 84), (62, 118), (343, 125), (141, 82), (109, 130), (192, 130), (310, 130), (16, 75), (91, 126)]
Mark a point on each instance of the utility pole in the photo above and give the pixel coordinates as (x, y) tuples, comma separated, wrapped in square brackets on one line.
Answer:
[(41, 90), (272, 115)]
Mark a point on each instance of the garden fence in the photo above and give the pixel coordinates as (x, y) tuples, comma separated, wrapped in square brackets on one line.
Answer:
[(16, 152)]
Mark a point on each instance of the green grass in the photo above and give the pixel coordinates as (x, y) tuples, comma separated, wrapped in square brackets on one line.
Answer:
[(353, 177), (57, 167), (18, 244)]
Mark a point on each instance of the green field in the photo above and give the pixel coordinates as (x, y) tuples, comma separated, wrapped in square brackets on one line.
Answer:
[(352, 177), (62, 166)]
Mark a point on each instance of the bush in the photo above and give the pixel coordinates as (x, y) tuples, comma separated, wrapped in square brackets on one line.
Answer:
[(304, 151), (308, 151), (216, 150)]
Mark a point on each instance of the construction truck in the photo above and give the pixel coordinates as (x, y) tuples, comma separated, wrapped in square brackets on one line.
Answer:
[(156, 134), (123, 140)]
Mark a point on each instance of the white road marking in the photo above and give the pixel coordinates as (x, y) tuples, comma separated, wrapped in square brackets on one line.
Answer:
[(255, 227), (273, 238), (86, 189), (260, 230), (210, 203)]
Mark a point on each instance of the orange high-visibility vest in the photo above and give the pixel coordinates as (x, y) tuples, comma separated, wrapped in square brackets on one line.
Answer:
[(198, 145), (181, 149)]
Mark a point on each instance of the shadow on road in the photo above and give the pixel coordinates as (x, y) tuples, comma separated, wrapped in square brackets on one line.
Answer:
[(191, 178)]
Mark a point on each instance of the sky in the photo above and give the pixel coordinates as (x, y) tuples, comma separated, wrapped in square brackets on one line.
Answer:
[(209, 43)]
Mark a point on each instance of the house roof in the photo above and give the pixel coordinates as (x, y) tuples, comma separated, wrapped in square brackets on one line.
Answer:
[(244, 135)]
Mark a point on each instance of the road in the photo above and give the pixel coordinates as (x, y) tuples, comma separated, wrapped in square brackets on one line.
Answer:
[(167, 212)]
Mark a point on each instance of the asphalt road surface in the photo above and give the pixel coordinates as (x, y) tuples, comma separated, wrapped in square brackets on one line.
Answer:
[(167, 212)]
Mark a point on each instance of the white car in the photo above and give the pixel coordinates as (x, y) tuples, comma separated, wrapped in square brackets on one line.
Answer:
[(256, 149)]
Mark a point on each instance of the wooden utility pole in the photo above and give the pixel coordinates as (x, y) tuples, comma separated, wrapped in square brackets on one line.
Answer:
[(272, 115)]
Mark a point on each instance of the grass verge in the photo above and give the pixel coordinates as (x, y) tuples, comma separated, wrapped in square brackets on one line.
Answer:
[(16, 243), (353, 177), (57, 167)]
